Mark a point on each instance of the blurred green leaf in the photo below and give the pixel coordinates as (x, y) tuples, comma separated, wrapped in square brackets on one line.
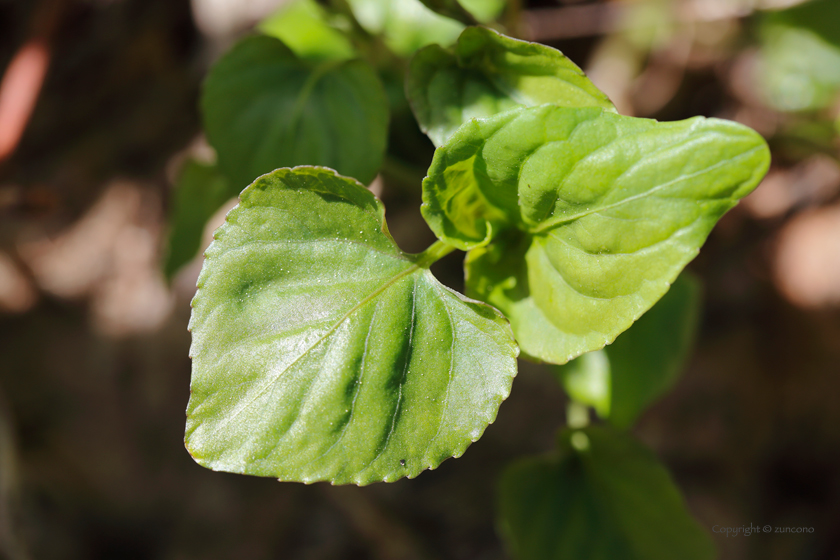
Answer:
[(451, 9), (799, 65), (323, 352), (622, 379), (578, 220), (486, 73), (406, 25), (602, 497), (265, 108), (819, 16), (303, 26), (199, 192), (484, 11)]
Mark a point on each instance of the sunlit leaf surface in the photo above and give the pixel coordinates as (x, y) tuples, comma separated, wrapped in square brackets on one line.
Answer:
[(578, 220), (323, 352), (486, 73)]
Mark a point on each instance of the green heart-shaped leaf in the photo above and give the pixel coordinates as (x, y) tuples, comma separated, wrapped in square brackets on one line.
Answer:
[(323, 352), (603, 497), (486, 73), (622, 379), (591, 215), (265, 108)]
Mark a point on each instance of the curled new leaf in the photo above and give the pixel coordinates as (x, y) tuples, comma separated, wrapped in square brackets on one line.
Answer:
[(486, 73), (323, 352), (266, 108), (578, 220)]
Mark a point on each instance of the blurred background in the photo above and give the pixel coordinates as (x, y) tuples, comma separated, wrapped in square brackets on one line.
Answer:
[(98, 111)]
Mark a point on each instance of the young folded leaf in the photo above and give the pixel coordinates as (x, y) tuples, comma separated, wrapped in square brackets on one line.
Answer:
[(486, 73), (323, 352), (578, 220), (603, 497), (622, 379), (266, 108)]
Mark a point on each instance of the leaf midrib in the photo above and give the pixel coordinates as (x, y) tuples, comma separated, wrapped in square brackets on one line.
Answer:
[(396, 278), (561, 220)]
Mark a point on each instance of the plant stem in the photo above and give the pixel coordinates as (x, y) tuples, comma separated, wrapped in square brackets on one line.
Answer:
[(433, 253)]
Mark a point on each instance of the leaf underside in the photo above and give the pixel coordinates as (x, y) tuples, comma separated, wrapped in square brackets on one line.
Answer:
[(323, 352), (578, 220)]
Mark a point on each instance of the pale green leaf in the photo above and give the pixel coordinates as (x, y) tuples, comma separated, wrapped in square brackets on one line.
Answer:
[(592, 215), (484, 11), (304, 27), (486, 73), (199, 192), (602, 497), (405, 25), (265, 108), (451, 9), (622, 379), (323, 352), (799, 61)]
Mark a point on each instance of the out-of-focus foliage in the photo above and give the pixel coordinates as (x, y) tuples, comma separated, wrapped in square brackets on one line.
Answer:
[(622, 379), (602, 496), (306, 28), (199, 192), (800, 56), (405, 25), (265, 108), (468, 11)]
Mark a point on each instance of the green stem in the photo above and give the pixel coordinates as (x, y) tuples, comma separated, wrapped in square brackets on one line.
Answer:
[(434, 253)]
